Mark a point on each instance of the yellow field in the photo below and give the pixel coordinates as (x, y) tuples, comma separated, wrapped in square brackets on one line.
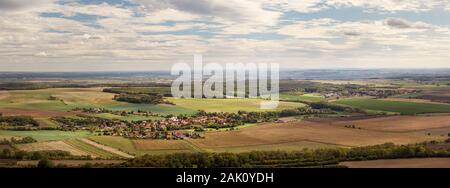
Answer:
[(229, 105)]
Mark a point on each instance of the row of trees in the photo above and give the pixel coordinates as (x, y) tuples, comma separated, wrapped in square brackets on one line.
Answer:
[(334, 107), (140, 95), (140, 98), (83, 121), (13, 140), (18, 121), (8, 153)]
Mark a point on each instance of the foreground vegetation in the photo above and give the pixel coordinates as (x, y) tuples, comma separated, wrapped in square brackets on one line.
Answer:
[(306, 158), (330, 157)]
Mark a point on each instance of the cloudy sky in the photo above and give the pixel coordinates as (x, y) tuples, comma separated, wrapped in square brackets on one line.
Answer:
[(97, 35)]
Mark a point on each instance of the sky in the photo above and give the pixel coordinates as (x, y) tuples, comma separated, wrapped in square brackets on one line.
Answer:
[(140, 35)]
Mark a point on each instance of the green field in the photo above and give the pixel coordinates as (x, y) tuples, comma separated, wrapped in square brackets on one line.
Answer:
[(401, 107), (229, 105), (70, 98), (46, 135), (33, 99), (407, 96), (247, 125), (120, 143), (301, 97)]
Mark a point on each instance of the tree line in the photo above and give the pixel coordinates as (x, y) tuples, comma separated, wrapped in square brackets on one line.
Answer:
[(24, 140), (18, 121)]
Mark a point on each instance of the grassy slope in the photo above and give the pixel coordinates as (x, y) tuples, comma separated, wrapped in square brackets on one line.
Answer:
[(70, 98)]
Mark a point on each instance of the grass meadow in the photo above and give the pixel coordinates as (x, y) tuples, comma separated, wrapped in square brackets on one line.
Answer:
[(44, 135)]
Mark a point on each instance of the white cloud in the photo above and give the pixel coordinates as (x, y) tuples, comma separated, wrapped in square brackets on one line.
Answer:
[(307, 6), (119, 39), (391, 5), (328, 28), (42, 54), (20, 5), (169, 14), (101, 10), (231, 10), (235, 16)]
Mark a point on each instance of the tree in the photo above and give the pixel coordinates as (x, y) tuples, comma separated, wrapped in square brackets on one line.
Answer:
[(87, 165), (45, 163), (6, 152)]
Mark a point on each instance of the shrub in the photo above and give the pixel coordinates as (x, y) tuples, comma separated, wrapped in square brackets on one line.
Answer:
[(45, 163)]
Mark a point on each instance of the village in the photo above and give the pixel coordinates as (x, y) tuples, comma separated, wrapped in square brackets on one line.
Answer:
[(169, 127)]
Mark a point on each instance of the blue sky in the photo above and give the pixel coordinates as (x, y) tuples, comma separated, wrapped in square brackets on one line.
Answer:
[(93, 35)]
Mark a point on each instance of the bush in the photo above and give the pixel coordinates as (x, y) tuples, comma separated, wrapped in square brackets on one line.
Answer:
[(335, 107), (140, 98), (45, 163)]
